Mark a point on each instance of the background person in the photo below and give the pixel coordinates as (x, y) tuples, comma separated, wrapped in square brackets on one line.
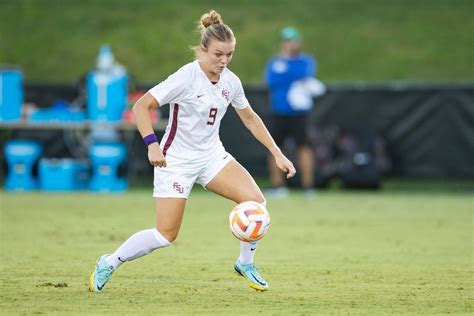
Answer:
[(292, 86)]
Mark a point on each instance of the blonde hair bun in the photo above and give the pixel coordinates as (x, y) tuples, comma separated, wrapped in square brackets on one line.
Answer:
[(210, 18)]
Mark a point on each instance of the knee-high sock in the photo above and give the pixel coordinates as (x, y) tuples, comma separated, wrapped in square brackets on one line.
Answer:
[(138, 245)]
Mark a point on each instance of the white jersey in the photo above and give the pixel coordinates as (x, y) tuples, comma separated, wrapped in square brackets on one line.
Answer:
[(197, 106)]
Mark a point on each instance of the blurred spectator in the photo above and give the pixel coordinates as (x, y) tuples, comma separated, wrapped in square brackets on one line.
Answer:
[(358, 157), (290, 78)]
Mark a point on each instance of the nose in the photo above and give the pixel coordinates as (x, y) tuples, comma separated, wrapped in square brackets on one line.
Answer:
[(224, 60)]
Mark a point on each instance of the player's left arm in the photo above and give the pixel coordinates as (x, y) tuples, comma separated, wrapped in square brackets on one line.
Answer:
[(256, 126)]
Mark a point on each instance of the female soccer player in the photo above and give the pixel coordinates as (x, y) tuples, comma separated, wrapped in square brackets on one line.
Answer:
[(191, 151)]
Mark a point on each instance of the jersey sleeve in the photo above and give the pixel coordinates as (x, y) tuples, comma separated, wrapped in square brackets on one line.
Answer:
[(239, 101), (171, 90)]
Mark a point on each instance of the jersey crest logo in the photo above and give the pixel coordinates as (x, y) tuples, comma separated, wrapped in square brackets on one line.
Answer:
[(226, 94), (178, 187)]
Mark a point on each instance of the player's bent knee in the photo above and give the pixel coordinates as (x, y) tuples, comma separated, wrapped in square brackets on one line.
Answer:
[(169, 235)]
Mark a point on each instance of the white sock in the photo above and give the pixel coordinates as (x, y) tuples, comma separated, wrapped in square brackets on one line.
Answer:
[(138, 245), (247, 251)]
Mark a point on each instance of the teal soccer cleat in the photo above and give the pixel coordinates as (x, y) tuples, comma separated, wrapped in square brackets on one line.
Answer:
[(102, 273), (250, 273)]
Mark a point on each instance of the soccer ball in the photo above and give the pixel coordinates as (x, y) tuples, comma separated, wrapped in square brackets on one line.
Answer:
[(249, 221)]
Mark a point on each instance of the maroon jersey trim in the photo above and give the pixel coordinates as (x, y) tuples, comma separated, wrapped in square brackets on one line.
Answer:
[(174, 127)]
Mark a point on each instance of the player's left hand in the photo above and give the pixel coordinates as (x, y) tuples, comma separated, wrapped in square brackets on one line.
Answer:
[(285, 165)]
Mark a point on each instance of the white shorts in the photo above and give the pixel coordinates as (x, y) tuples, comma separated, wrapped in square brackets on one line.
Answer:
[(177, 179)]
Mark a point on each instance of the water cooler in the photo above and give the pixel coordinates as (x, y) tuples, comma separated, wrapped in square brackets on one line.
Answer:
[(11, 95), (106, 88), (21, 155), (105, 160)]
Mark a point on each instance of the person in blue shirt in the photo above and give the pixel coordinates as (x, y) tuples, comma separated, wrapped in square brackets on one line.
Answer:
[(290, 78)]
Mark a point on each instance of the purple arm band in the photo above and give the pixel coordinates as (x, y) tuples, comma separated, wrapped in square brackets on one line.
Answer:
[(150, 139)]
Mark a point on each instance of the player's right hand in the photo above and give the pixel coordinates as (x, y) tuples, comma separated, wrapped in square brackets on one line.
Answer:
[(155, 156)]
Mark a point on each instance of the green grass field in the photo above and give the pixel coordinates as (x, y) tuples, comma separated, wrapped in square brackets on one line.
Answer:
[(354, 40), (387, 252)]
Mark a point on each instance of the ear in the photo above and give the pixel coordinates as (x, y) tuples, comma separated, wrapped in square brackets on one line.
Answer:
[(202, 48)]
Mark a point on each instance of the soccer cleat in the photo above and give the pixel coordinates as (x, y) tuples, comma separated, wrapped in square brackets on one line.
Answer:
[(250, 273), (102, 273)]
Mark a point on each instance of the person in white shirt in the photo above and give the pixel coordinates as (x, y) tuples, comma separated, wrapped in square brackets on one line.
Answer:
[(191, 151)]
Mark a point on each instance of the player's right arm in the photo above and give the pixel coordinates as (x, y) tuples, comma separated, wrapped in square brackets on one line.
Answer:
[(141, 110)]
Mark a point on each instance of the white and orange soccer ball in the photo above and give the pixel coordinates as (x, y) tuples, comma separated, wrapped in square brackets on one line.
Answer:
[(249, 221)]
